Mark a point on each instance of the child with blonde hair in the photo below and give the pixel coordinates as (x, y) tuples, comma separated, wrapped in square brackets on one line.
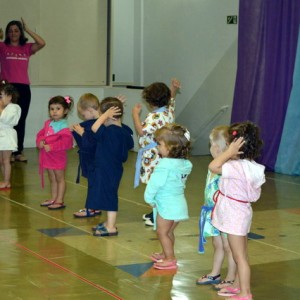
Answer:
[(165, 190), (218, 144)]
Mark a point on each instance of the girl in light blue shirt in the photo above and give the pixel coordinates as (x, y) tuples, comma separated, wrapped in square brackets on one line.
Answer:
[(165, 189)]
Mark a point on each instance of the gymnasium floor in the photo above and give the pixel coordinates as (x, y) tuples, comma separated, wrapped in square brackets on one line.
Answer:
[(51, 255)]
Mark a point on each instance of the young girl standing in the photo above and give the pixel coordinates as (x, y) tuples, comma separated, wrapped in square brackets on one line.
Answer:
[(9, 116), (53, 140), (240, 184), (161, 100), (218, 144), (165, 190)]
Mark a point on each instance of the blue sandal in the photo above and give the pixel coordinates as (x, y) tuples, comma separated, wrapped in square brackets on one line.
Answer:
[(104, 232), (211, 279)]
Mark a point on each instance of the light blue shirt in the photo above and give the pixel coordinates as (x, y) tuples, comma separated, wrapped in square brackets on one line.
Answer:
[(165, 189)]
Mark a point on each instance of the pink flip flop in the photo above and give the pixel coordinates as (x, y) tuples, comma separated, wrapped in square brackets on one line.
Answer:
[(228, 291), (156, 257), (165, 265), (236, 297)]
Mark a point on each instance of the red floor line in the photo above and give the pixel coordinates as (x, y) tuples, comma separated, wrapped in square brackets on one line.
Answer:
[(70, 272)]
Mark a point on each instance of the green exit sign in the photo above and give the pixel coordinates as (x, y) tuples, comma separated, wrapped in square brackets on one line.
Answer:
[(232, 19)]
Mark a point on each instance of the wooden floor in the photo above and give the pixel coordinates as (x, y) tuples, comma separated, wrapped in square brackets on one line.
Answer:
[(51, 255)]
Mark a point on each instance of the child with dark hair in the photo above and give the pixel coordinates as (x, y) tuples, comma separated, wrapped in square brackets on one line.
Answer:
[(10, 114), (239, 186), (113, 141), (161, 100), (165, 190), (15, 54), (53, 140)]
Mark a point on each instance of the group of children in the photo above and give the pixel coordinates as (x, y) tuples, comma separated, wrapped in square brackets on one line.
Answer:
[(234, 179)]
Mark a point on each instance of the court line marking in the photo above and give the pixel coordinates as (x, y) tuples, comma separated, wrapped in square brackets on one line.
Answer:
[(74, 226), (50, 262), (125, 199)]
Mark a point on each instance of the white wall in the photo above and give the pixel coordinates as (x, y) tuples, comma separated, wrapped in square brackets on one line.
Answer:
[(188, 39)]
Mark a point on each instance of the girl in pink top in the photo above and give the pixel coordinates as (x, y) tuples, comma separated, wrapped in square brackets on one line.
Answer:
[(240, 184), (53, 140)]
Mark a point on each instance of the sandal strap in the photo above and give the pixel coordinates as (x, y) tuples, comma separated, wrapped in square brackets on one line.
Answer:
[(211, 277)]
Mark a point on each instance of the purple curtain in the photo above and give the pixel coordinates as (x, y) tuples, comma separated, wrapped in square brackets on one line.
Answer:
[(267, 41)]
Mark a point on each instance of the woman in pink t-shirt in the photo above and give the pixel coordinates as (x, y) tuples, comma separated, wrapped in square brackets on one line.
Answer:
[(14, 60)]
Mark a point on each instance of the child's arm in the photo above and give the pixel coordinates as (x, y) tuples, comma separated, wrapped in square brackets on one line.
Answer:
[(63, 140), (136, 119), (174, 87), (110, 113), (232, 152)]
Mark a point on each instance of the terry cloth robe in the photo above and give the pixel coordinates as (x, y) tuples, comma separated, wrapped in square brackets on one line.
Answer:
[(59, 142), (165, 189)]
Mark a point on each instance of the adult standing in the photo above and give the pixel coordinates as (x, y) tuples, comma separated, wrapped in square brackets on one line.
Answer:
[(14, 60)]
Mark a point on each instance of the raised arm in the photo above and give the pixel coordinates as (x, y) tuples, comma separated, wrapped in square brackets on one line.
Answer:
[(137, 120), (39, 42), (109, 114), (175, 87)]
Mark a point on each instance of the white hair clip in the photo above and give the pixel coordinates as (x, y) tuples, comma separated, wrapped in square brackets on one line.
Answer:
[(187, 135)]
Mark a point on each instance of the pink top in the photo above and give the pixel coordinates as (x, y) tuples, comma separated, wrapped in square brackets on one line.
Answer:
[(240, 184), (60, 142), (14, 61)]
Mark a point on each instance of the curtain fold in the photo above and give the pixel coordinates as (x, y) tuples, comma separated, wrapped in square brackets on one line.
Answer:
[(288, 158), (267, 41)]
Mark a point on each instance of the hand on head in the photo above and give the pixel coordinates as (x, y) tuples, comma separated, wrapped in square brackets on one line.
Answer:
[(112, 112), (24, 24), (234, 147)]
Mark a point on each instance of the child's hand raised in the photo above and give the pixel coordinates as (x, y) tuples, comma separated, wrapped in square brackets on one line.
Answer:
[(122, 98), (175, 86), (137, 109)]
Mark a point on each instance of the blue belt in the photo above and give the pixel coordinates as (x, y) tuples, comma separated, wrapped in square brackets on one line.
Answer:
[(138, 163), (204, 211)]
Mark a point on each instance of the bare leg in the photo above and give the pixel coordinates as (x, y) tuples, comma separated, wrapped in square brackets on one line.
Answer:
[(61, 185), (6, 168), (165, 232), (58, 187), (111, 221), (217, 259), (238, 245), (231, 272)]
